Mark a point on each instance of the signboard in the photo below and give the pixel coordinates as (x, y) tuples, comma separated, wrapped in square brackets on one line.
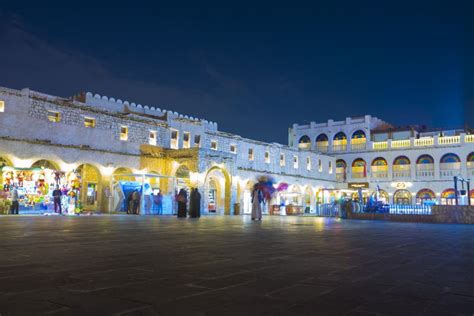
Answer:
[(358, 185), (401, 185)]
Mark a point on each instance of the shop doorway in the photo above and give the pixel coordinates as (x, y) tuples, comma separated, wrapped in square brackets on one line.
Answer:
[(217, 191), (143, 194), (402, 197)]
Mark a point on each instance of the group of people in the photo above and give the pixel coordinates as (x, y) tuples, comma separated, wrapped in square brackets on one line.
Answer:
[(133, 205), (194, 203)]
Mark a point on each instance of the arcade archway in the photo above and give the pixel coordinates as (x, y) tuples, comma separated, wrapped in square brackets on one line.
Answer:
[(217, 195)]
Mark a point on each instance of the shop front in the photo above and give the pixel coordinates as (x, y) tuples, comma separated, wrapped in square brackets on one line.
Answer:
[(143, 194), (35, 188)]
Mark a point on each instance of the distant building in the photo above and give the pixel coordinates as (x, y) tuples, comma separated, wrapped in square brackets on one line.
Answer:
[(409, 165)]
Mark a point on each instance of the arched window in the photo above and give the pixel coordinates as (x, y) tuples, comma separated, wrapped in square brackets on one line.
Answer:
[(358, 140), (359, 168), (448, 197), (450, 158), (358, 134), (401, 160), (340, 136), (402, 197), (424, 160), (401, 167), (304, 143), (322, 142), (425, 196), (339, 142), (341, 170), (322, 138), (425, 167), (450, 165), (470, 164), (379, 168)]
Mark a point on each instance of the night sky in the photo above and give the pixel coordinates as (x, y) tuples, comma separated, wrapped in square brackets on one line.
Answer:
[(254, 70)]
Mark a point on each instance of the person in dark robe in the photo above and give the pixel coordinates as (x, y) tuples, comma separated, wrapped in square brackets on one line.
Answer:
[(182, 200), (195, 204)]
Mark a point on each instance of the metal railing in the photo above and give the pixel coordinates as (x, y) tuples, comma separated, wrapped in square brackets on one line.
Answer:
[(330, 210), (409, 209)]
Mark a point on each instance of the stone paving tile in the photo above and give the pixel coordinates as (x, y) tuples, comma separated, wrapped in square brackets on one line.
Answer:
[(121, 265)]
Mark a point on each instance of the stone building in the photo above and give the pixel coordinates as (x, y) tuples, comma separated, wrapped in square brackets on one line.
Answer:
[(97, 144), (410, 165)]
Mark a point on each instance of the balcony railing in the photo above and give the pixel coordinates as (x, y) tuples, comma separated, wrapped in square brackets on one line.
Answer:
[(358, 144), (424, 141), (449, 140), (358, 175), (380, 174), (401, 174), (400, 143), (322, 146), (339, 145), (419, 142), (449, 169), (380, 145), (341, 177), (427, 174)]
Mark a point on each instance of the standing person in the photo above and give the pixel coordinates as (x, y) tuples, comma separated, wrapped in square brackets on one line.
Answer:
[(257, 199), (182, 199), (158, 200), (136, 202), (57, 200), (195, 204), (15, 205)]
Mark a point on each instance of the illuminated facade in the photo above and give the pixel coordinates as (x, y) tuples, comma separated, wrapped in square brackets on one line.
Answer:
[(410, 165), (90, 144)]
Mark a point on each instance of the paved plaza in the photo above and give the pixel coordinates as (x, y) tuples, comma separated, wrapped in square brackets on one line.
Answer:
[(138, 265)]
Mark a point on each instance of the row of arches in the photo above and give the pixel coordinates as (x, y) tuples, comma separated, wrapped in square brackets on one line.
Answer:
[(305, 141), (401, 164), (403, 160)]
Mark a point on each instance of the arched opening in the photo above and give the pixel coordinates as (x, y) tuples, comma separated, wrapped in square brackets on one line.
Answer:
[(471, 196), (88, 178), (341, 167), (450, 165), (379, 168), (218, 191), (359, 169), (425, 166), (448, 197), (401, 167), (358, 140), (304, 143), (183, 178), (247, 197), (322, 143), (339, 142), (4, 162), (425, 196), (123, 174), (402, 197), (293, 200), (470, 164), (45, 164)]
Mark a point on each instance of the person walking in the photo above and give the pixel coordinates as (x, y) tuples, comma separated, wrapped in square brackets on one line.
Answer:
[(257, 199), (182, 199), (57, 200), (158, 201), (14, 197), (195, 204)]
